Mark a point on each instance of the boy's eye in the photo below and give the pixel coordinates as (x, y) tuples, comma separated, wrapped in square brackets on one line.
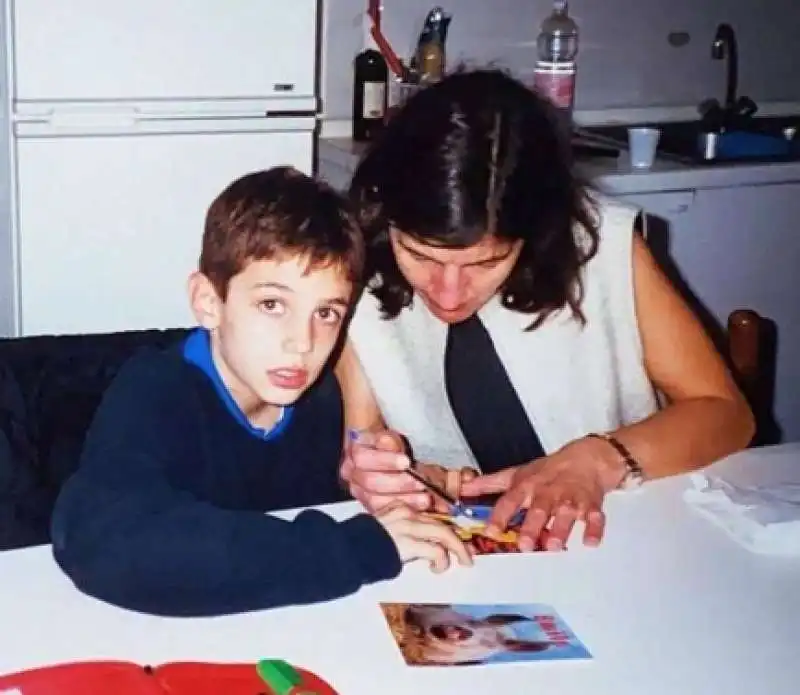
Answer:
[(271, 306), (328, 315)]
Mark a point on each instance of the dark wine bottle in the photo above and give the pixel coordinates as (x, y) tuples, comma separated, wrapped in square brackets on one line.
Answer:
[(370, 87)]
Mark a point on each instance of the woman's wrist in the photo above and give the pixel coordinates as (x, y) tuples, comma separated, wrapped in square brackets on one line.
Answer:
[(616, 465), (601, 458)]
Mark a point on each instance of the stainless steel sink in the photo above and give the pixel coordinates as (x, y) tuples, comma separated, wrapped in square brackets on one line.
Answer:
[(765, 139)]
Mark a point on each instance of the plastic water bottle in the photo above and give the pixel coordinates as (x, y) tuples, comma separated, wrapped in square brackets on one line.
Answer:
[(557, 47)]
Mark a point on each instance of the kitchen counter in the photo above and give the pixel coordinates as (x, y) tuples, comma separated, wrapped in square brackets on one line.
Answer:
[(338, 157)]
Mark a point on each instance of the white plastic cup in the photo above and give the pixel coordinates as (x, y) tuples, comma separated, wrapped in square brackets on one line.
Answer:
[(642, 143)]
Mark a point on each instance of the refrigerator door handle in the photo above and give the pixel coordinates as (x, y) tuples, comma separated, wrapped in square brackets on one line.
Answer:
[(130, 117), (69, 119), (289, 113)]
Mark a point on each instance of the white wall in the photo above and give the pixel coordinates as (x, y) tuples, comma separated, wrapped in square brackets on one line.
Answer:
[(625, 59)]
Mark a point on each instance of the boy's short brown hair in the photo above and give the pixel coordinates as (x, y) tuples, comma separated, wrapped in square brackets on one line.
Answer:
[(279, 212)]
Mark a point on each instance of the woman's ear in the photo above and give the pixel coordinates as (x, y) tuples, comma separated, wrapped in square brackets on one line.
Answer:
[(204, 300)]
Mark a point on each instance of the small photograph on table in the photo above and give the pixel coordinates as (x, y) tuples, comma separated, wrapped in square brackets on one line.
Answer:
[(455, 634)]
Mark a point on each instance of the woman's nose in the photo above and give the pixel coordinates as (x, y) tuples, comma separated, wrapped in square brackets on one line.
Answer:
[(449, 287)]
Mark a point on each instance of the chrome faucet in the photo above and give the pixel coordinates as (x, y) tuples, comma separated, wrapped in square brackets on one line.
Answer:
[(724, 46)]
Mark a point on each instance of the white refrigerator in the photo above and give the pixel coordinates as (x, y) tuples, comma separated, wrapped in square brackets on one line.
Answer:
[(121, 121)]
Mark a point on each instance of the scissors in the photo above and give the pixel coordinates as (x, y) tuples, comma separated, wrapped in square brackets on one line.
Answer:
[(457, 506)]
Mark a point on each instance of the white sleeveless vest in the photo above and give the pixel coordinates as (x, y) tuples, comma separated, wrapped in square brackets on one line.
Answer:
[(571, 379)]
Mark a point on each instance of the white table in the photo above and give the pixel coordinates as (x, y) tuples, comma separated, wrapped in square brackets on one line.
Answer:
[(669, 605)]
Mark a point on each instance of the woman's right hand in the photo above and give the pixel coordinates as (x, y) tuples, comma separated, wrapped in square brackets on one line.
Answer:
[(420, 538), (374, 471)]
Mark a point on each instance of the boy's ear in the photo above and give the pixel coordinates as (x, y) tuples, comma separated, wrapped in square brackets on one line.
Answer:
[(204, 300)]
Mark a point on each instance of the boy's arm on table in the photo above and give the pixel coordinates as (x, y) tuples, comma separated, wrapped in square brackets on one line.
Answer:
[(125, 535)]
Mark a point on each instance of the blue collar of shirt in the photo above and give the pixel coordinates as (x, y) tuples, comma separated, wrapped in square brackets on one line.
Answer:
[(197, 351)]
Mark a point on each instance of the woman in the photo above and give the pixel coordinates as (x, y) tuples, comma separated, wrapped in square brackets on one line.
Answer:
[(517, 325)]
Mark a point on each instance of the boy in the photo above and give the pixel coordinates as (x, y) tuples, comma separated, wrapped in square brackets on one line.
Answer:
[(192, 445)]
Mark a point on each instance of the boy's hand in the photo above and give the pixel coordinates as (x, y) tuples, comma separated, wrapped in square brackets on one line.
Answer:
[(419, 538)]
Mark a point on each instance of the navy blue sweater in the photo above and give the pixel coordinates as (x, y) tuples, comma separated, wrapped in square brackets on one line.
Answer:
[(165, 514)]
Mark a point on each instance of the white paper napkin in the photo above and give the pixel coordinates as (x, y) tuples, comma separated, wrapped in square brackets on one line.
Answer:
[(755, 497)]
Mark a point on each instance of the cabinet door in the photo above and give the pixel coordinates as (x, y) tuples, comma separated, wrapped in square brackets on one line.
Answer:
[(110, 227), (749, 239), (164, 49), (738, 248)]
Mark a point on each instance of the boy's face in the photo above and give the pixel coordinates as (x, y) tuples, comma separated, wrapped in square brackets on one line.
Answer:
[(276, 329)]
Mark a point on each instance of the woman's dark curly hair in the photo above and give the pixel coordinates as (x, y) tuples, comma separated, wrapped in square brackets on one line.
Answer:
[(478, 153)]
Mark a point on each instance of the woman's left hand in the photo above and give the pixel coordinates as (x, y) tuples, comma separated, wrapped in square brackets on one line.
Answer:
[(565, 487)]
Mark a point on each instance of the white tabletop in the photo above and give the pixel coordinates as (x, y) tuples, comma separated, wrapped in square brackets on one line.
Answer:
[(669, 605)]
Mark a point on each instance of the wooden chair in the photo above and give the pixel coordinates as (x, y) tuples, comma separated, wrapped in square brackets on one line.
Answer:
[(749, 354)]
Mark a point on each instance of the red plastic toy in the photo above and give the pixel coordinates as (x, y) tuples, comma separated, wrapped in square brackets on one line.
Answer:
[(268, 677)]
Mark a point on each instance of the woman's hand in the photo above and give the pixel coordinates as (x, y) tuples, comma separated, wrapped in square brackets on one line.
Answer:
[(565, 487), (373, 471)]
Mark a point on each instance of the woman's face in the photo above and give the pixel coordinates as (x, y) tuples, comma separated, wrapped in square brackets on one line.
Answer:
[(455, 283)]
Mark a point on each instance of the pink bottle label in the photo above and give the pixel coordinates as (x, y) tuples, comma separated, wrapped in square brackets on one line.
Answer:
[(556, 84)]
